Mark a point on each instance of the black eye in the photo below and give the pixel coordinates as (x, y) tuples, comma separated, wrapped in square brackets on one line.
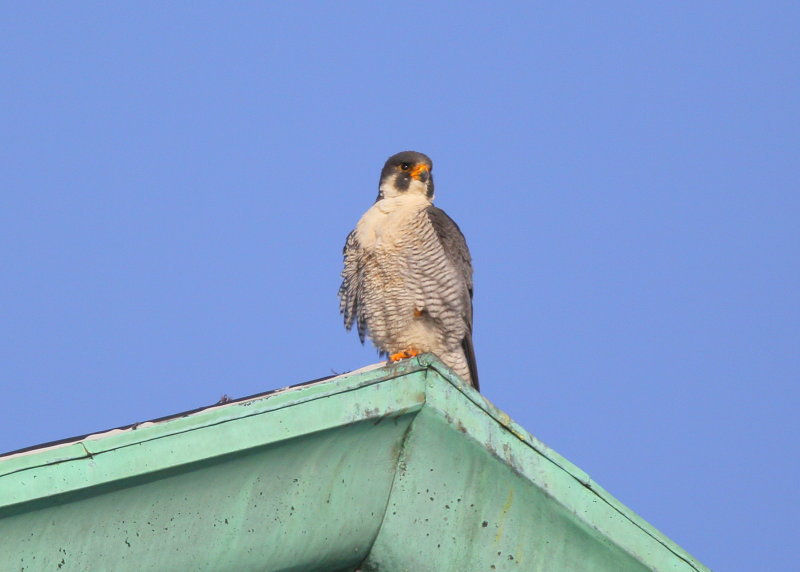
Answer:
[(405, 166)]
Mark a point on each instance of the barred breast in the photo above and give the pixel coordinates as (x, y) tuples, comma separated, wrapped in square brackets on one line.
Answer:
[(402, 287)]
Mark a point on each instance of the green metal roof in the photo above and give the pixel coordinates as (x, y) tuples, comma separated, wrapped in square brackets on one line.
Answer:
[(398, 467)]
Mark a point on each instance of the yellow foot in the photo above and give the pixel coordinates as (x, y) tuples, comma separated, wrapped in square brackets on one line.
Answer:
[(405, 354)]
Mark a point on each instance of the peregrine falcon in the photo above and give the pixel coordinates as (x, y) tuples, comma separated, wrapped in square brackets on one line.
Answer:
[(407, 278)]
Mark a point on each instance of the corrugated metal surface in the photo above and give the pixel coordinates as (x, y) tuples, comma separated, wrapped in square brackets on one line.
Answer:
[(403, 466)]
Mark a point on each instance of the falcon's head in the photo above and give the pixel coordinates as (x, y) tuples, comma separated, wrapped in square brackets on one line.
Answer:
[(406, 172)]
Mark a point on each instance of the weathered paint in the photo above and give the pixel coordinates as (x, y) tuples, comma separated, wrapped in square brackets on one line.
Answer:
[(402, 467)]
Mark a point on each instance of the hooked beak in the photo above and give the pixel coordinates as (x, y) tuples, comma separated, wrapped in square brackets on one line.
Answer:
[(420, 173)]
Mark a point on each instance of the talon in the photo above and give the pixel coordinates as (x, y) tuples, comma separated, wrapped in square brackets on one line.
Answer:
[(405, 354)]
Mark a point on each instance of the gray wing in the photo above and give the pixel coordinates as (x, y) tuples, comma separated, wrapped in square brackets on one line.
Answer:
[(455, 248), (351, 290)]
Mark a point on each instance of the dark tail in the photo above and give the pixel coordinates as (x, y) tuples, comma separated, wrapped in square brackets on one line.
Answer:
[(469, 353)]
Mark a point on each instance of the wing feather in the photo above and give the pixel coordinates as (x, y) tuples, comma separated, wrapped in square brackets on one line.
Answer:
[(351, 290), (457, 252)]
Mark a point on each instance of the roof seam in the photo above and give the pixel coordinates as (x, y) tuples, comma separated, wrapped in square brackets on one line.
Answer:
[(636, 524), (398, 467), (190, 429), (587, 484)]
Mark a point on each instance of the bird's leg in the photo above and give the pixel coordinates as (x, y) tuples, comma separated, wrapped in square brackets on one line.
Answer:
[(405, 354)]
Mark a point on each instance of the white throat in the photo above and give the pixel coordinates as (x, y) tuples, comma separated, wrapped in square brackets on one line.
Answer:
[(389, 190)]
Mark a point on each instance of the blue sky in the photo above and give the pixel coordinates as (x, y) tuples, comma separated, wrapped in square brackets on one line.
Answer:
[(177, 183)]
